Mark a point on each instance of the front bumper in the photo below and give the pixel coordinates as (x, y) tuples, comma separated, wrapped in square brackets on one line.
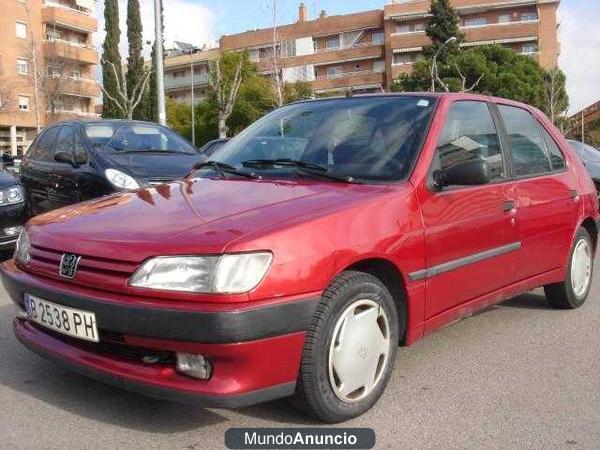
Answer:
[(255, 351)]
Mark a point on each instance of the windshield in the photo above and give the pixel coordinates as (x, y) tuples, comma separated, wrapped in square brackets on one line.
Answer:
[(361, 138), (586, 152), (135, 137)]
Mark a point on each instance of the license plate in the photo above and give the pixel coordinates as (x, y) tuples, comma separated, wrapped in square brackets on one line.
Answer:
[(72, 322)]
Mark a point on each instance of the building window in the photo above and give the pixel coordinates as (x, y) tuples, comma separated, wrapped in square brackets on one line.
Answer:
[(53, 72), (23, 103), (378, 38), (22, 30), (420, 26), (255, 54), (332, 43), (75, 74), (53, 35), (504, 18), (403, 28), (22, 66), (379, 66), (529, 16), (334, 72), (475, 21), (401, 59), (530, 48)]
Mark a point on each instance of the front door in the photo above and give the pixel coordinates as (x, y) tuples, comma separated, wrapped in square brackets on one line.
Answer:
[(471, 232), (65, 179)]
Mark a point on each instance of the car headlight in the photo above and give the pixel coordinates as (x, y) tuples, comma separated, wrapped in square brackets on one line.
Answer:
[(22, 248), (225, 274), (121, 180), (12, 195)]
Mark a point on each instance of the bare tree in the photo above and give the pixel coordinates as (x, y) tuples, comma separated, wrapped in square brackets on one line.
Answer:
[(6, 96), (554, 92), (226, 91), (277, 81), (125, 101), (34, 53), (464, 88), (54, 83)]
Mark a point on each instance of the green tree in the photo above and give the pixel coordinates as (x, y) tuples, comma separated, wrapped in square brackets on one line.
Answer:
[(300, 90), (443, 25), (135, 60), (111, 54)]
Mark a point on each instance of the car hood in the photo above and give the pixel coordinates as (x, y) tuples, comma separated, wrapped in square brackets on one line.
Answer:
[(167, 166), (6, 179), (200, 216)]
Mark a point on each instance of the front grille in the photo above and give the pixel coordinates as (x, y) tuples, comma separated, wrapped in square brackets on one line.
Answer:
[(111, 273), (112, 345)]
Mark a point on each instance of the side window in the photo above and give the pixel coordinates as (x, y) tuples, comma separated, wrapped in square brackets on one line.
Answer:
[(468, 135), (79, 151), (64, 144), (45, 146), (527, 147), (557, 159)]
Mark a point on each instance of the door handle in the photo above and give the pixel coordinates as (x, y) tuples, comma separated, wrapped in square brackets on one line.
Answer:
[(574, 194), (508, 206)]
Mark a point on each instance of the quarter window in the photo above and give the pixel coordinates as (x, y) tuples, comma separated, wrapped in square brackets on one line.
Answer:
[(469, 135), (557, 159), (527, 147)]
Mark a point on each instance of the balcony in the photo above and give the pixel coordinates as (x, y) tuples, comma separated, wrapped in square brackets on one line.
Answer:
[(79, 87), (67, 17), (410, 40), (501, 32), (330, 56), (66, 115), (349, 79), (69, 50), (185, 82)]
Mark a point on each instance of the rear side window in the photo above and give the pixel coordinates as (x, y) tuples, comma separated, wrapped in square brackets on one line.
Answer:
[(44, 150), (526, 145), (469, 134), (557, 159)]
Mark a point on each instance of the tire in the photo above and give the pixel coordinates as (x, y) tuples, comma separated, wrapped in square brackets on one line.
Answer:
[(367, 306), (573, 292)]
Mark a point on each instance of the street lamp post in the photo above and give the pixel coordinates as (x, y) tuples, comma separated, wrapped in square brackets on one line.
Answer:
[(160, 69), (193, 115), (434, 61)]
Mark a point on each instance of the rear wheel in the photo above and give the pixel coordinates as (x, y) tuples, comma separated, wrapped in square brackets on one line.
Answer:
[(573, 292), (350, 349)]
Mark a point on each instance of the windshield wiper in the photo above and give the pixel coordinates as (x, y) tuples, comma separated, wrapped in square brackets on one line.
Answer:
[(302, 166), (222, 169)]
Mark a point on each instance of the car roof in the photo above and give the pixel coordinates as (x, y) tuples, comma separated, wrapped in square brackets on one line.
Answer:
[(106, 121), (438, 95)]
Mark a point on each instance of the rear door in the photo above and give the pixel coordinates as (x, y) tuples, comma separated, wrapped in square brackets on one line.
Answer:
[(471, 232), (36, 170), (548, 194)]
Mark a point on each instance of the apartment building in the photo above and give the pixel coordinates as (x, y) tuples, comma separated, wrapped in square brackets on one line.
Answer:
[(367, 50), (46, 44), (186, 69)]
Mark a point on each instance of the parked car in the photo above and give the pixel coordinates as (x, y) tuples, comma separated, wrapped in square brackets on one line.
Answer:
[(316, 242), (590, 157), (12, 210), (75, 161), (211, 147)]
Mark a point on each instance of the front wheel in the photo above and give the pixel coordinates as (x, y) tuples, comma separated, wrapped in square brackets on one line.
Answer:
[(350, 349), (573, 292)]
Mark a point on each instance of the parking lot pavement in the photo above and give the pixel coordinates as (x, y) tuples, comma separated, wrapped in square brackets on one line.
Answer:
[(516, 375)]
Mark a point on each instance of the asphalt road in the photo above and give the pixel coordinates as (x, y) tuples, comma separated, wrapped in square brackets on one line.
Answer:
[(518, 375)]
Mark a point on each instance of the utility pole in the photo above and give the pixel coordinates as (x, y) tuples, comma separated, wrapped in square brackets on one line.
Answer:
[(193, 115), (160, 68)]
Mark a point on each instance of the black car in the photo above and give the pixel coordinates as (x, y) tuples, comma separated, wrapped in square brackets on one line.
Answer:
[(211, 147), (590, 157), (12, 210), (76, 161)]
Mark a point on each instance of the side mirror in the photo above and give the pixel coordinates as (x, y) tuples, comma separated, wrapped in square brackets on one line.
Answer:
[(468, 173), (65, 157)]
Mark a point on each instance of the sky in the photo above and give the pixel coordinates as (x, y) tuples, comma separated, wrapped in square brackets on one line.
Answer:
[(202, 22)]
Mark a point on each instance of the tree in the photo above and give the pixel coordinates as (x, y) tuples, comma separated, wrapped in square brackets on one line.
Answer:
[(443, 25), (111, 59), (557, 100), (225, 78), (300, 90), (276, 72), (135, 61), (125, 100)]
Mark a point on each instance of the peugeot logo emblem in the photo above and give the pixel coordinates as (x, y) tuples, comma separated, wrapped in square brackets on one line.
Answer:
[(68, 265)]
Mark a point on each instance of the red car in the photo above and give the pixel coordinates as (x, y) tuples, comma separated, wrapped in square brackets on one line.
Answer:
[(317, 242)]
